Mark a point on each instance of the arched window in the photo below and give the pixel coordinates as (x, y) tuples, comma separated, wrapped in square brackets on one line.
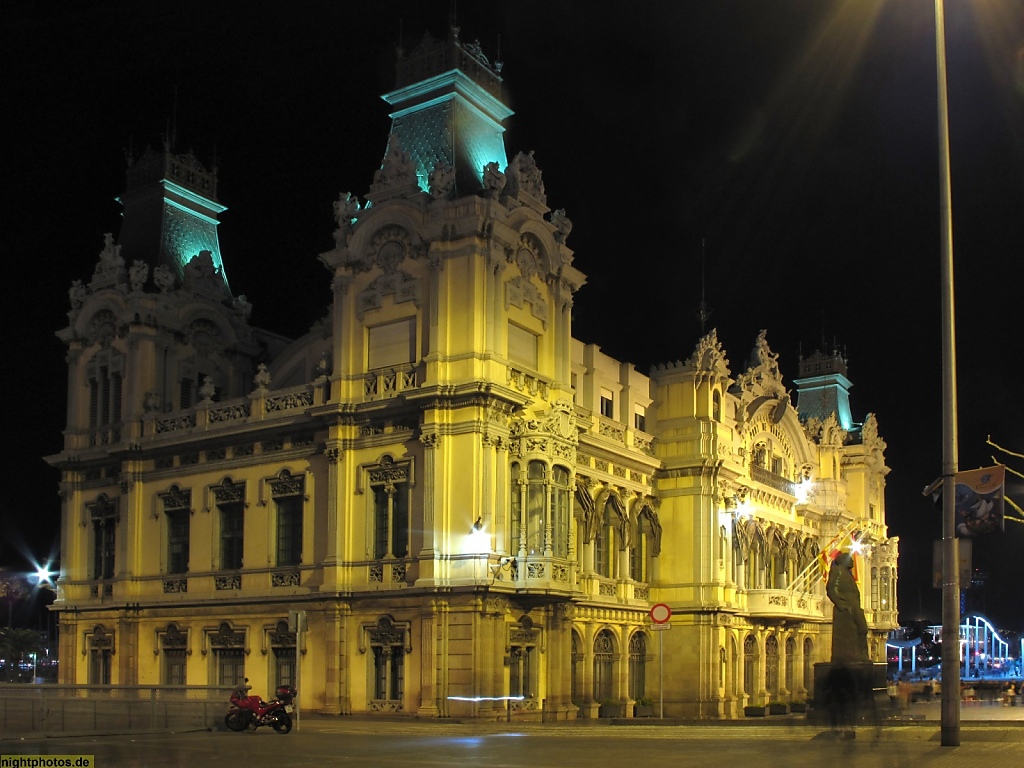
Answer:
[(716, 405), (885, 589), (771, 665), (790, 662), (104, 373), (637, 666), (749, 664), (604, 541), (560, 515), (808, 663), (577, 669), (604, 666)]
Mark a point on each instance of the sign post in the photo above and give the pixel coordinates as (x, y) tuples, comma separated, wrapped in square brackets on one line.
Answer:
[(660, 614), (297, 624)]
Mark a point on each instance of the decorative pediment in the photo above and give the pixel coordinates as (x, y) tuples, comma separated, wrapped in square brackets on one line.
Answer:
[(553, 433), (708, 357), (401, 286), (229, 492)]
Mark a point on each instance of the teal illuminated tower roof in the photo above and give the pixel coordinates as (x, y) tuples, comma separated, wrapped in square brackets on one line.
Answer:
[(448, 111), (822, 388), (170, 212)]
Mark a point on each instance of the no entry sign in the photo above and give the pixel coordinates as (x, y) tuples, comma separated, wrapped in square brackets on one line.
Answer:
[(660, 613)]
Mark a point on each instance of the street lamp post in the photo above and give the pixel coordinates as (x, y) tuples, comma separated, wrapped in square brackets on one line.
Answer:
[(950, 558)]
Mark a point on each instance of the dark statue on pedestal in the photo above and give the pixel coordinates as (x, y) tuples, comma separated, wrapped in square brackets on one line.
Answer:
[(849, 627), (846, 685)]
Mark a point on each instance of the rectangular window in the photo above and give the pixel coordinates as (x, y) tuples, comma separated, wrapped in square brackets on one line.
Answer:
[(231, 535), (523, 346), (99, 666), (778, 466), (607, 403), (640, 418), (390, 520), (187, 386), (103, 547), (174, 666), (391, 345), (177, 540), (284, 666), (289, 530), (230, 666)]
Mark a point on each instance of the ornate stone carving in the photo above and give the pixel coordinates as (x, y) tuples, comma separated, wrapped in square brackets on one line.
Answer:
[(442, 180), (137, 274), (494, 180), (163, 278), (562, 224), (709, 357), (397, 168), (346, 209), (111, 263), (77, 293), (524, 176), (262, 377)]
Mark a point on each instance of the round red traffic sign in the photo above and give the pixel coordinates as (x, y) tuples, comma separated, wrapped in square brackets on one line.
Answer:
[(660, 613)]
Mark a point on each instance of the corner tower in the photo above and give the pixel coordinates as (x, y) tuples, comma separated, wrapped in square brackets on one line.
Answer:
[(447, 113), (822, 388), (170, 213)]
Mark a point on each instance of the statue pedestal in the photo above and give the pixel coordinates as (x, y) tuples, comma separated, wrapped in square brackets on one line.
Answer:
[(849, 694)]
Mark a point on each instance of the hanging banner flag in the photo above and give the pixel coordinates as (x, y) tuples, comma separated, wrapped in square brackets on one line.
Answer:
[(979, 501)]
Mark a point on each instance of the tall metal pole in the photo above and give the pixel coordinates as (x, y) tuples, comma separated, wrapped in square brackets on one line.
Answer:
[(950, 558)]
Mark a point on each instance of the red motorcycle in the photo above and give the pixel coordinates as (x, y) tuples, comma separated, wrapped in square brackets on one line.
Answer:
[(252, 712)]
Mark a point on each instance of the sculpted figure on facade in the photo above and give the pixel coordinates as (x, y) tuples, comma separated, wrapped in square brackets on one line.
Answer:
[(494, 180), (200, 271), (137, 274), (563, 225), (242, 306), (397, 169), (346, 208), (163, 278), (111, 263), (524, 176), (77, 293), (442, 180)]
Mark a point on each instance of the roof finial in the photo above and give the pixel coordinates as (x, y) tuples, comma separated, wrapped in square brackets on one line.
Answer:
[(703, 310)]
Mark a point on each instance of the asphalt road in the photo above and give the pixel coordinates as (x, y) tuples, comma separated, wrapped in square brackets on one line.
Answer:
[(386, 744)]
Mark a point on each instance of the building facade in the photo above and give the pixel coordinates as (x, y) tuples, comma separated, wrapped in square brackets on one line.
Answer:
[(474, 511)]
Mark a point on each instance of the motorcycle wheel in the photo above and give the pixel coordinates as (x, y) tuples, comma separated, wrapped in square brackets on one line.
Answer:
[(282, 723), (236, 721)]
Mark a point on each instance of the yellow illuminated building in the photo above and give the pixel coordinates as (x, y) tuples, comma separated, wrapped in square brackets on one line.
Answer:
[(473, 509)]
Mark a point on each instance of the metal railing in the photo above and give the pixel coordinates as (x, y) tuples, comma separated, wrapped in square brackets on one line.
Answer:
[(87, 709)]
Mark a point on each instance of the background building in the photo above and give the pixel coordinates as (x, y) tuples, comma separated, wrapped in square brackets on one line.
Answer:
[(468, 503)]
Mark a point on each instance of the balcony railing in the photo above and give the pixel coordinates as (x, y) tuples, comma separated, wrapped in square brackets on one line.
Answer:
[(772, 480), (776, 603)]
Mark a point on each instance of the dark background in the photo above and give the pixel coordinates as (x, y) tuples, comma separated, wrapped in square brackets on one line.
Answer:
[(786, 150)]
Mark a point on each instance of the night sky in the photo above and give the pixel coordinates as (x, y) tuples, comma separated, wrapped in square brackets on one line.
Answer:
[(789, 147)]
